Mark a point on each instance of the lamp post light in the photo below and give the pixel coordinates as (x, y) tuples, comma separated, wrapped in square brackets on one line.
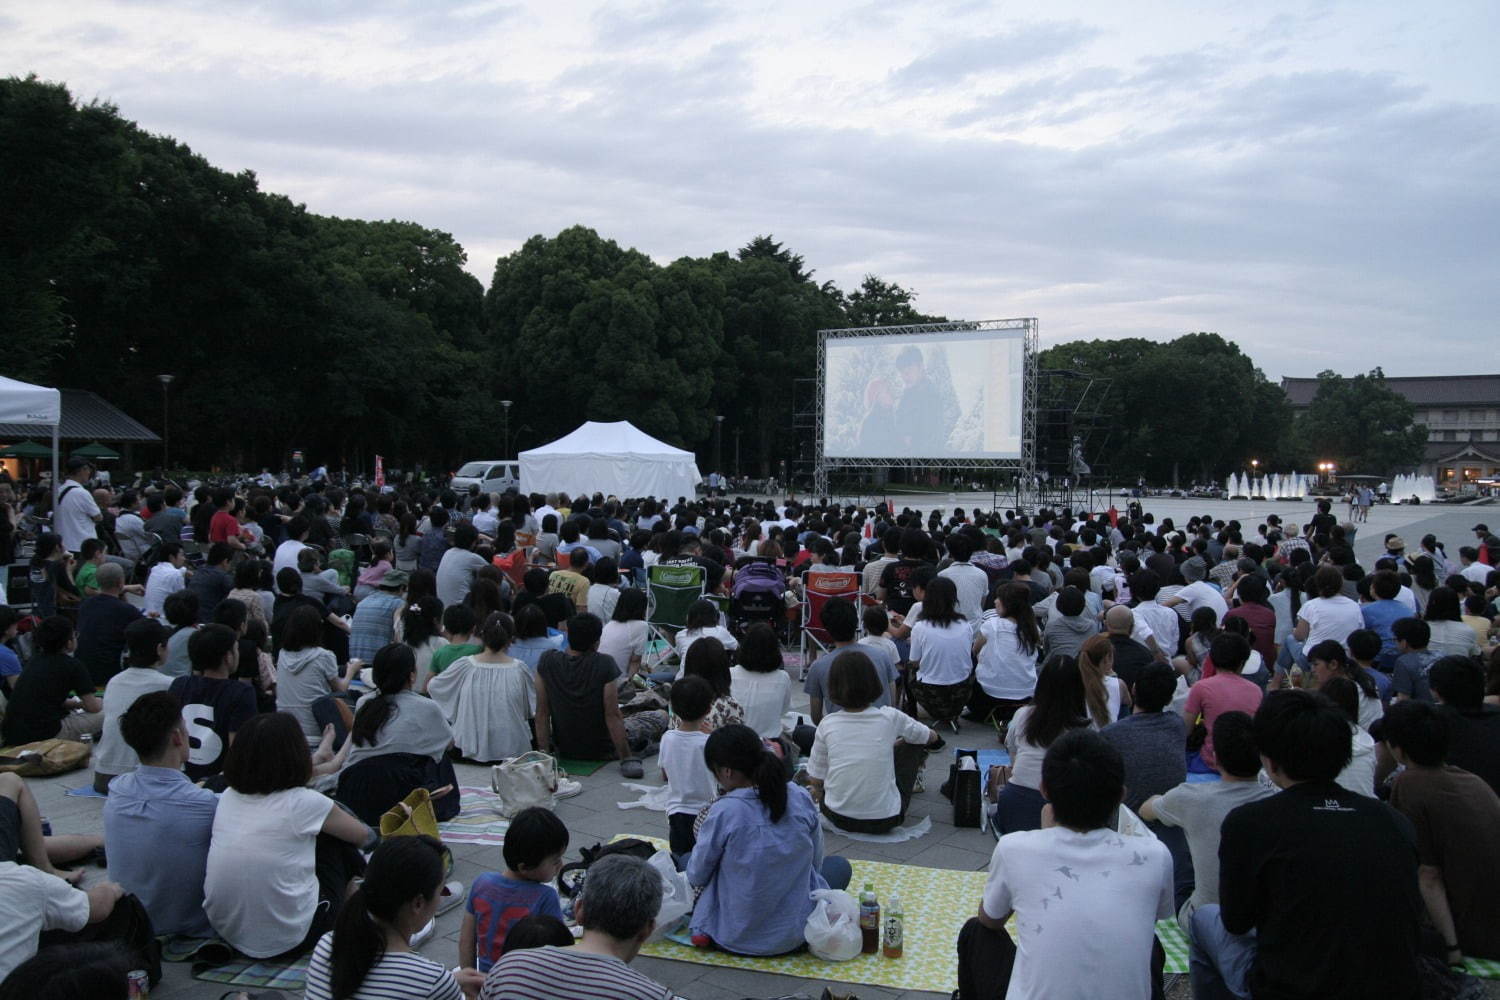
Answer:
[(718, 441), (505, 431), (166, 429)]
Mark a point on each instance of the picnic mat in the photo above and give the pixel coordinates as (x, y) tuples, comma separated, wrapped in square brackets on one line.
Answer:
[(253, 972), (85, 792), (207, 951), (936, 903), (580, 768), (478, 820)]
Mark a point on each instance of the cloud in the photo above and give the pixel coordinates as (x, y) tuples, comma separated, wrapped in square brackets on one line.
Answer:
[(959, 59), (1331, 209)]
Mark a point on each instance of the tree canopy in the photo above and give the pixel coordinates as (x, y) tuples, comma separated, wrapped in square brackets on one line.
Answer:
[(1361, 425), (125, 255)]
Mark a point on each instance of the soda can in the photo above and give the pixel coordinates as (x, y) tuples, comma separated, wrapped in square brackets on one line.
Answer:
[(139, 985)]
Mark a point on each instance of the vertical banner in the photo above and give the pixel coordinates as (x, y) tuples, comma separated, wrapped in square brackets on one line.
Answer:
[(379, 472)]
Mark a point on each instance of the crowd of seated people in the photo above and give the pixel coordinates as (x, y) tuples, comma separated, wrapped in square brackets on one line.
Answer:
[(264, 672)]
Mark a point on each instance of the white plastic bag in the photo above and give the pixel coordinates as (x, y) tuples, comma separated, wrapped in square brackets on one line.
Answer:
[(676, 895), (832, 929), (524, 781)]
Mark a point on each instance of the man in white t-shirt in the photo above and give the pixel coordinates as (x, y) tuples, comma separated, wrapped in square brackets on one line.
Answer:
[(1086, 899), (78, 514), (1197, 594), (971, 582), (286, 552), (167, 577)]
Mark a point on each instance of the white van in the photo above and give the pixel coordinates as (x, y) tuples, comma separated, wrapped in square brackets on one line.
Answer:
[(494, 475)]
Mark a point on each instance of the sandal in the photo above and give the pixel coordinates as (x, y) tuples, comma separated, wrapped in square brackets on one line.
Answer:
[(631, 767)]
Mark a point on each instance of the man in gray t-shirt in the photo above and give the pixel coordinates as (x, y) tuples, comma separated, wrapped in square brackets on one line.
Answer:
[(841, 621), (1199, 808)]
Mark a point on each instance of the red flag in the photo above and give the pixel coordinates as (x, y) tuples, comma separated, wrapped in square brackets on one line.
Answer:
[(379, 471)]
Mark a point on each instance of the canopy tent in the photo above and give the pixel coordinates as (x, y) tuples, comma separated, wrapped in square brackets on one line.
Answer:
[(33, 406), (95, 450), (25, 449), (614, 458)]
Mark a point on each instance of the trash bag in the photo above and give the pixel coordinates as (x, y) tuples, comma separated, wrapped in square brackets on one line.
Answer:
[(832, 929), (676, 895)]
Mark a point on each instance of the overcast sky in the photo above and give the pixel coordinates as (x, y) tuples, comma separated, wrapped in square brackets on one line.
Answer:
[(1315, 180)]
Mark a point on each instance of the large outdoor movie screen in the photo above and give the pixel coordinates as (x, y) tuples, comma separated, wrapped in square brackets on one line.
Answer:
[(946, 395)]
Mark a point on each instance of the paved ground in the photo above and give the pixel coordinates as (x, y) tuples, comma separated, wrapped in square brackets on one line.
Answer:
[(593, 816)]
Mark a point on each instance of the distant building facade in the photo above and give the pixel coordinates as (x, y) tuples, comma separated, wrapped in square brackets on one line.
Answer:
[(1462, 414)]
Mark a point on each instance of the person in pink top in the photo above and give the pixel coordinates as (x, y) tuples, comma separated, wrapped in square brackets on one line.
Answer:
[(1226, 691)]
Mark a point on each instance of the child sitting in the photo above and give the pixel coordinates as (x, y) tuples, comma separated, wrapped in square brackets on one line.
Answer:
[(877, 632), (534, 846), (690, 785)]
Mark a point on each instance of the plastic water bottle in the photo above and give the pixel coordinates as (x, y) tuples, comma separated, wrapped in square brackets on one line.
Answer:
[(869, 920), (895, 929)]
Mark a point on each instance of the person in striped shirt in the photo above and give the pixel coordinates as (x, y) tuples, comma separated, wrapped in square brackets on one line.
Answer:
[(617, 908), (367, 955)]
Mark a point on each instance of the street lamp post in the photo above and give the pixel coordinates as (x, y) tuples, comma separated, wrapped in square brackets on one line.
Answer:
[(505, 431), (166, 429), (718, 441)]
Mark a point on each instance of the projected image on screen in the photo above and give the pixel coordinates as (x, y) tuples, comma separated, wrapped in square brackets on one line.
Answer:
[(943, 396)]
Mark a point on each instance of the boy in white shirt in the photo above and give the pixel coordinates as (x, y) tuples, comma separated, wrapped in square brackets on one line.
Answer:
[(690, 784)]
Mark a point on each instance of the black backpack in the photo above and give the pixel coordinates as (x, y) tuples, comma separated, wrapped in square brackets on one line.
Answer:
[(570, 878)]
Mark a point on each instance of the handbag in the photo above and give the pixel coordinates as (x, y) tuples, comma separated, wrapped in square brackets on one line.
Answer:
[(44, 757), (413, 816), (965, 787), (525, 781)]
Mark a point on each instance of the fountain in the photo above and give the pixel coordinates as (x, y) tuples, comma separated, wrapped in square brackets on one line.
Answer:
[(1405, 488)]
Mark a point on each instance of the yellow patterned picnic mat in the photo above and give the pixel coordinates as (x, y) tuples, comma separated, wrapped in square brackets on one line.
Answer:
[(936, 902)]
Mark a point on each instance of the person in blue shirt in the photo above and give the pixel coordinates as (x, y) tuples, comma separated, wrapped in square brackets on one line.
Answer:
[(759, 852), (157, 823), (534, 846), (1383, 612), (10, 663)]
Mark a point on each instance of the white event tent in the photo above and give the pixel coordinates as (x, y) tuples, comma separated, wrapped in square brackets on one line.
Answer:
[(23, 403), (614, 458)]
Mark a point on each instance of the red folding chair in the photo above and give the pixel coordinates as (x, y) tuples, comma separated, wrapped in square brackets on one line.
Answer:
[(818, 588)]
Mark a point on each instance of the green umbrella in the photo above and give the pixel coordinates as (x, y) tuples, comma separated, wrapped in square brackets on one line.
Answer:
[(95, 450), (26, 449)]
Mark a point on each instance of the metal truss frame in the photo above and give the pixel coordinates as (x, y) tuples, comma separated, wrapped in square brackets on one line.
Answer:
[(1024, 468)]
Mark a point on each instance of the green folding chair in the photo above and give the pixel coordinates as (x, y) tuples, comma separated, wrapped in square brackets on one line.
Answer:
[(670, 592)]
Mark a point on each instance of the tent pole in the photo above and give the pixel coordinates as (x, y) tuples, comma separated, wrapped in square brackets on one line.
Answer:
[(56, 429)]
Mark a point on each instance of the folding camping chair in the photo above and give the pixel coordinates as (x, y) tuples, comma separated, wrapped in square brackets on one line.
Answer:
[(818, 589), (670, 592)]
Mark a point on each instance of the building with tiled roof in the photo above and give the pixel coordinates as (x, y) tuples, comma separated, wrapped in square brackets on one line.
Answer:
[(1462, 414)]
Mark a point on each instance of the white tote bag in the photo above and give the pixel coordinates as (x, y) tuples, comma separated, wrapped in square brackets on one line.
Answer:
[(524, 781)]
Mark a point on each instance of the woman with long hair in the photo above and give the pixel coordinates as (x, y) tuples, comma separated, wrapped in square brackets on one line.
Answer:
[(625, 633), (1451, 635), (942, 659), (422, 633), (1007, 649), (1057, 707), (368, 953), (1329, 660), (1425, 578), (1104, 693), (707, 658), (759, 852)]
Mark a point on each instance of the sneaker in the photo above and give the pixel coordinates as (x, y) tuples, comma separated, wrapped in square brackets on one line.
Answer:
[(425, 934), (567, 788), (453, 894)]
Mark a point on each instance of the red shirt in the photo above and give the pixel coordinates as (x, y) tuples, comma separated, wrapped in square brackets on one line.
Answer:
[(223, 527), (1262, 621), (1213, 696)]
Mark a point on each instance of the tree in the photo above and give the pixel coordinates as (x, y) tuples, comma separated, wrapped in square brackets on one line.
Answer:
[(1195, 406), (1361, 425), (878, 303)]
